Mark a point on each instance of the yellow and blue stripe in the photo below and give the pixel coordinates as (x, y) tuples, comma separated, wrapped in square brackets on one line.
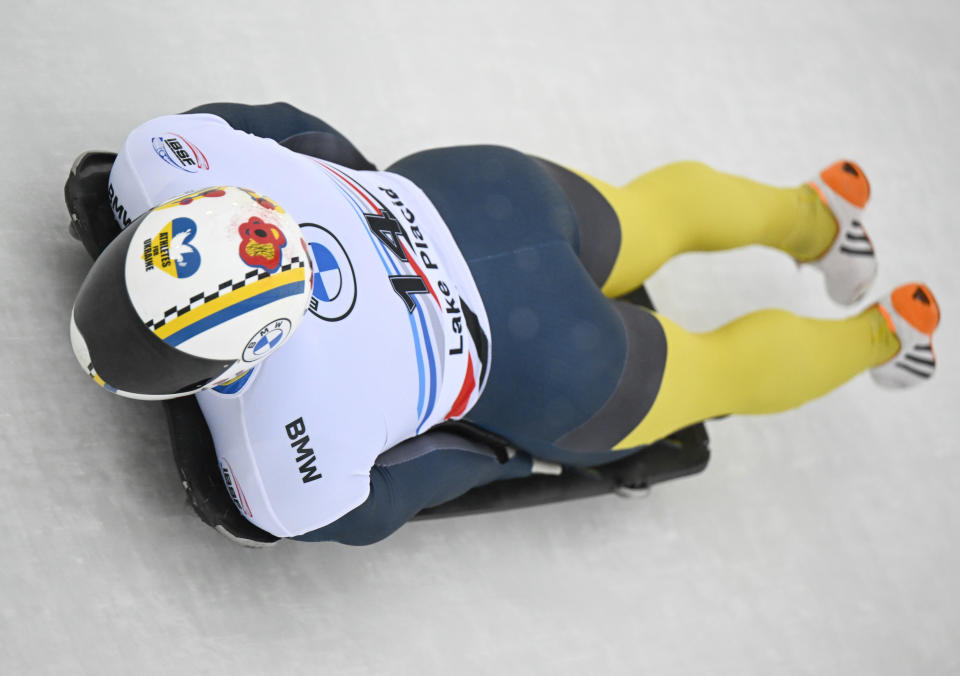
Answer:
[(232, 305)]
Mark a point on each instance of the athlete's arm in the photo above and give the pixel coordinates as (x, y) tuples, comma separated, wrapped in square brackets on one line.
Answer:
[(212, 145), (292, 128), (425, 471)]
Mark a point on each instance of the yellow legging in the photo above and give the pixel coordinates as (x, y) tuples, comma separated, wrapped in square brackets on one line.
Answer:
[(763, 362)]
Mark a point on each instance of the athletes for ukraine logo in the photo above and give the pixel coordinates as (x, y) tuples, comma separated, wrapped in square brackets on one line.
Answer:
[(170, 250), (179, 153)]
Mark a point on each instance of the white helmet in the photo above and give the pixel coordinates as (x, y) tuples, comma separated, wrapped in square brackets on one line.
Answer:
[(192, 294)]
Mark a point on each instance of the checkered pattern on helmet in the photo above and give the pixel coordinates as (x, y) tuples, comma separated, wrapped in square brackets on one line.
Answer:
[(224, 287)]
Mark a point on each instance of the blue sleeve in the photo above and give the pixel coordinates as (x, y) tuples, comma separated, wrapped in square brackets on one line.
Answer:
[(271, 120), (290, 127), (425, 472)]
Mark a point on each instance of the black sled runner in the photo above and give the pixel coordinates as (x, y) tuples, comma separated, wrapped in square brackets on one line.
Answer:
[(681, 454)]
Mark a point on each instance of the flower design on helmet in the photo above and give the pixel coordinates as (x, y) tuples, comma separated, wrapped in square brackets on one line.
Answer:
[(260, 244)]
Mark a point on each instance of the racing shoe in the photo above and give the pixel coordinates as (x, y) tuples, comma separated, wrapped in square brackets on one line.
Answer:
[(912, 313), (849, 266)]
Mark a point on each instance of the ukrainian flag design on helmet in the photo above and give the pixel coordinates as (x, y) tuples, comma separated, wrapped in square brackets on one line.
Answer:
[(192, 294)]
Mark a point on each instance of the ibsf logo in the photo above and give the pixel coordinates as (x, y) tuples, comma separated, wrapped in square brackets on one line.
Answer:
[(170, 250), (178, 152), (260, 244), (234, 490)]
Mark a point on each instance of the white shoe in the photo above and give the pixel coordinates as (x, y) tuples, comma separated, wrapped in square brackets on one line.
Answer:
[(912, 313), (850, 264)]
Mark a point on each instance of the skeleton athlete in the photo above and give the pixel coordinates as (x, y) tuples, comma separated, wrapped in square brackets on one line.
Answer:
[(330, 318)]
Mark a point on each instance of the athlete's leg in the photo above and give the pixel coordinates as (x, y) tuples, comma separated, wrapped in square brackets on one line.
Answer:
[(575, 375), (763, 362), (688, 206)]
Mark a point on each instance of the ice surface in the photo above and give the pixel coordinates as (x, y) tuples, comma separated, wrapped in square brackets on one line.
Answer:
[(820, 541)]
